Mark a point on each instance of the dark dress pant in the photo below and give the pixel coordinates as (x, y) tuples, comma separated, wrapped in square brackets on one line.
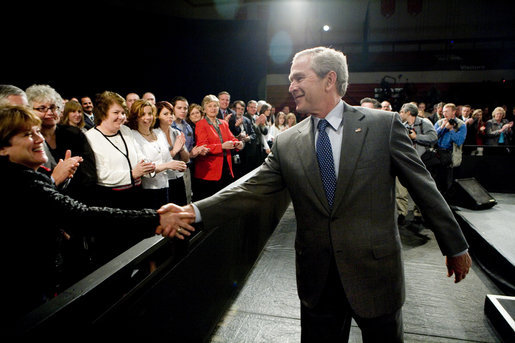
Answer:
[(330, 320)]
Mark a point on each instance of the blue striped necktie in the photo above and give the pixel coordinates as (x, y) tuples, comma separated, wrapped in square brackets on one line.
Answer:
[(326, 162)]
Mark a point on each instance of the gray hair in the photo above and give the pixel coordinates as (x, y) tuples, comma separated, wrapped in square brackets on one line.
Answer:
[(411, 108), (8, 90), (324, 60), (44, 93)]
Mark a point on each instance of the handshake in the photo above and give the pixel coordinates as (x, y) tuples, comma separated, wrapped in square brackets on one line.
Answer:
[(174, 221)]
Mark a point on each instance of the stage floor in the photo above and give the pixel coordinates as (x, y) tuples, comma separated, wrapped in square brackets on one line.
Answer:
[(436, 310), (497, 224)]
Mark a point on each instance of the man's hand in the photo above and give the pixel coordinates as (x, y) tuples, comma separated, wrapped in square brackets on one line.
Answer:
[(459, 266), (175, 221)]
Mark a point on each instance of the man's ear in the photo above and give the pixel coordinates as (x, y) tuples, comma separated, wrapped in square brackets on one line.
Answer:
[(330, 79)]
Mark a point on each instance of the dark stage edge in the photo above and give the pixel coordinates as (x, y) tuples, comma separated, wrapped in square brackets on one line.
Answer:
[(436, 310), (491, 234)]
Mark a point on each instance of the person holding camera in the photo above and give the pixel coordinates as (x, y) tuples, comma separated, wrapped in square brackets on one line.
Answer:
[(451, 133), (423, 136)]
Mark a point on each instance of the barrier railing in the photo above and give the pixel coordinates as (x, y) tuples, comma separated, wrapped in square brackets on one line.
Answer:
[(182, 298)]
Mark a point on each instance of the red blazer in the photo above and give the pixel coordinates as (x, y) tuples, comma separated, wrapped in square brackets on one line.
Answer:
[(209, 167)]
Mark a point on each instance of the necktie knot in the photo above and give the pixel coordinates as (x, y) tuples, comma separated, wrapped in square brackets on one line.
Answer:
[(322, 125)]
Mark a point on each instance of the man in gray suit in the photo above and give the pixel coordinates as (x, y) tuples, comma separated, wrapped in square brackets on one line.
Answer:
[(348, 250)]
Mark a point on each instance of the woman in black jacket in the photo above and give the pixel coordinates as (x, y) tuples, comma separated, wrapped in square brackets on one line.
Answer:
[(36, 212)]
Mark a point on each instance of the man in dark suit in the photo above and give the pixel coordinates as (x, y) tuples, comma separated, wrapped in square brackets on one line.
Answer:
[(225, 99), (242, 128), (339, 167), (87, 108)]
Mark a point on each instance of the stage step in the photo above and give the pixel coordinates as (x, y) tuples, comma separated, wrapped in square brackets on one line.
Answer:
[(500, 310)]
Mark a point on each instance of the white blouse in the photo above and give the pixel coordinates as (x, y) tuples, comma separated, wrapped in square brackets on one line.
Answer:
[(172, 174), (115, 156), (156, 152)]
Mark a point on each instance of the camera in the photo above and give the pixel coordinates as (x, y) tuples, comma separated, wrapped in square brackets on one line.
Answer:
[(452, 122)]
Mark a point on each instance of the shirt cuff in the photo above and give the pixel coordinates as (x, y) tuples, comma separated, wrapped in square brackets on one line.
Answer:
[(460, 253), (198, 217)]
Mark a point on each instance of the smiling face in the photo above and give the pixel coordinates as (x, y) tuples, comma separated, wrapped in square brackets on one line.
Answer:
[(114, 119), (146, 120), (75, 118), (26, 148), (306, 87), (48, 113)]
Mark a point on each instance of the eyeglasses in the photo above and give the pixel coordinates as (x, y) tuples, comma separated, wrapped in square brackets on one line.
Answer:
[(44, 109)]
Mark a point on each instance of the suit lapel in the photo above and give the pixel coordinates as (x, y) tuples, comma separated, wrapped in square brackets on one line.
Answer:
[(354, 134), (305, 144)]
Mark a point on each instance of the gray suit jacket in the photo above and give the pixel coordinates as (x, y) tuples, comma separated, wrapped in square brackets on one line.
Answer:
[(360, 232)]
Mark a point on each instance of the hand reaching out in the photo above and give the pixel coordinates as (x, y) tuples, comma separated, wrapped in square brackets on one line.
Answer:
[(175, 221)]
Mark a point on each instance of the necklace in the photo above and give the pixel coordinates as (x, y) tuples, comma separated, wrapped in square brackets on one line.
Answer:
[(145, 134)]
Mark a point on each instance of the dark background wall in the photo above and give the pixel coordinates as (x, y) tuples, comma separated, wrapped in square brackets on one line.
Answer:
[(85, 48)]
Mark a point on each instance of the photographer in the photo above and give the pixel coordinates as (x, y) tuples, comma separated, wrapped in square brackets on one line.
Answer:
[(451, 133), (423, 136)]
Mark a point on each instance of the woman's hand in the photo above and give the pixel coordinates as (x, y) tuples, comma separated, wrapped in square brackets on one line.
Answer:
[(143, 168), (229, 145), (66, 168), (199, 150), (177, 165), (180, 140)]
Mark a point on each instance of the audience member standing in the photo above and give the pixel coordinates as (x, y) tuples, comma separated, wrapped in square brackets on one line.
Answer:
[(225, 99), (423, 137), (498, 129), (120, 167), (12, 95), (73, 115), (149, 97), (59, 139), (87, 108), (451, 132), (241, 127), (130, 98), (177, 152), (214, 170)]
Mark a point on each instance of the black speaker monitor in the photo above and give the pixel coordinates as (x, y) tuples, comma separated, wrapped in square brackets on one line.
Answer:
[(470, 194)]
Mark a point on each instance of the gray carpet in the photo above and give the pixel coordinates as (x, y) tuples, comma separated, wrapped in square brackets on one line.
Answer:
[(436, 310)]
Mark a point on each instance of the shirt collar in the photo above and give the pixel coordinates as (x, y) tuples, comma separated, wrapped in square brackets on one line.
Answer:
[(334, 117)]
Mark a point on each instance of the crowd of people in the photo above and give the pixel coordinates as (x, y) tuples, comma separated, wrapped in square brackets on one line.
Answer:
[(441, 136), (123, 155), (130, 153)]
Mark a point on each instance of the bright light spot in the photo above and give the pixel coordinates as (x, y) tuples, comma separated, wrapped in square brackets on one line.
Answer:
[(326, 28), (280, 47)]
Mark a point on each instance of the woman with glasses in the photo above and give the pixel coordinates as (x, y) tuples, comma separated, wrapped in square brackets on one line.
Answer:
[(62, 142)]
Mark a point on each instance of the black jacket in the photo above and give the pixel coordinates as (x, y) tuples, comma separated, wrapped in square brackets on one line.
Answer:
[(33, 213)]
